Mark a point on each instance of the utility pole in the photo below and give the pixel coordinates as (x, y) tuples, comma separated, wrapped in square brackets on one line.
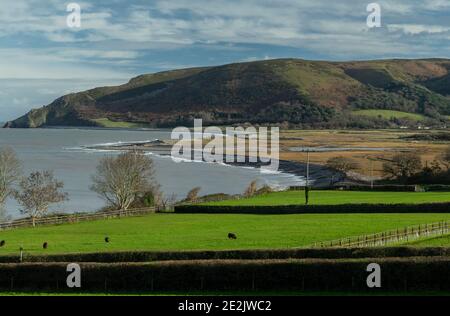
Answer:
[(371, 173), (307, 179), (307, 168)]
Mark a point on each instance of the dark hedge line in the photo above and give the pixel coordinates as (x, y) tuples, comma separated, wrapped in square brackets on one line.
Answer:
[(314, 253), (217, 275), (364, 187), (316, 209), (382, 187), (378, 187), (436, 188)]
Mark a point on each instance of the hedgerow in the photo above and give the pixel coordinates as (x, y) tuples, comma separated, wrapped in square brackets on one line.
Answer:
[(316, 209), (398, 274), (263, 254)]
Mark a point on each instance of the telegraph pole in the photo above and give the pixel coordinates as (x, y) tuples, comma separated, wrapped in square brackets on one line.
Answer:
[(307, 168), (371, 174), (371, 167), (307, 179)]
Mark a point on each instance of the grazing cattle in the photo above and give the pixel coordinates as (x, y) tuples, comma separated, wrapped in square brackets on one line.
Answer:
[(106, 239), (45, 245), (232, 236), (2, 243)]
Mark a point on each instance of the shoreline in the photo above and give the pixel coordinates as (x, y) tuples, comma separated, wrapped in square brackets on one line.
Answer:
[(320, 176)]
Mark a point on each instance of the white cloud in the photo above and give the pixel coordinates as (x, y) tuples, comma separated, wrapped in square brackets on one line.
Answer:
[(36, 64), (185, 22), (436, 5), (75, 54), (418, 28), (117, 36), (20, 95)]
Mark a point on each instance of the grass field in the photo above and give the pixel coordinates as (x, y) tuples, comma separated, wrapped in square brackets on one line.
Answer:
[(104, 122), (440, 241), (204, 232), (389, 114), (339, 197)]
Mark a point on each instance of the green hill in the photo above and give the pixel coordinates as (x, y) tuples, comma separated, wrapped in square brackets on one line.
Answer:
[(305, 93), (390, 114)]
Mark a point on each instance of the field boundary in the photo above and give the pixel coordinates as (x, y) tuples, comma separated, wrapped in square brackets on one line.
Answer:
[(74, 218), (316, 209), (399, 274), (251, 254), (365, 188), (390, 237)]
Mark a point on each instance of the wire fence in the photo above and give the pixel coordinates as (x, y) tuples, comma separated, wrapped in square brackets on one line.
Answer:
[(75, 218), (390, 237)]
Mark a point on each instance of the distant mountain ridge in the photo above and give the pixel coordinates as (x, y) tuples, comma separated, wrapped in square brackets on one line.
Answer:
[(289, 91)]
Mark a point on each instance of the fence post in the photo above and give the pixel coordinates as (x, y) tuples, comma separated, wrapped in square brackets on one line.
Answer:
[(384, 238)]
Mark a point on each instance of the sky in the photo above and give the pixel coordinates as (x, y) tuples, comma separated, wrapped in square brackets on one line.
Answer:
[(42, 58)]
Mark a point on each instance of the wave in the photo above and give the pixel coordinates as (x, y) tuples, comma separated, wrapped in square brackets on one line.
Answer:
[(282, 179), (122, 143), (90, 150)]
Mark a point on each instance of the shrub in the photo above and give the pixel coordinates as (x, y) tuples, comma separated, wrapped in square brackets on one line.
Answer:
[(316, 209), (380, 188), (365, 187), (264, 190), (303, 253), (436, 188), (215, 197), (146, 199), (399, 274), (192, 195), (251, 189)]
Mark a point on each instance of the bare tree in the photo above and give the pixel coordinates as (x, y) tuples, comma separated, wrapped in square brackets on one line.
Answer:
[(445, 158), (10, 171), (341, 165), (120, 179), (165, 202), (192, 195), (251, 189), (403, 166), (37, 192)]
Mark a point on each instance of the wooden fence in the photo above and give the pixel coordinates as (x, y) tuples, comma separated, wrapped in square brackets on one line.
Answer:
[(390, 237), (74, 218)]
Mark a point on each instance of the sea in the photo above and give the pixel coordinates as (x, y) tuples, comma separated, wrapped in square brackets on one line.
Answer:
[(66, 152)]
